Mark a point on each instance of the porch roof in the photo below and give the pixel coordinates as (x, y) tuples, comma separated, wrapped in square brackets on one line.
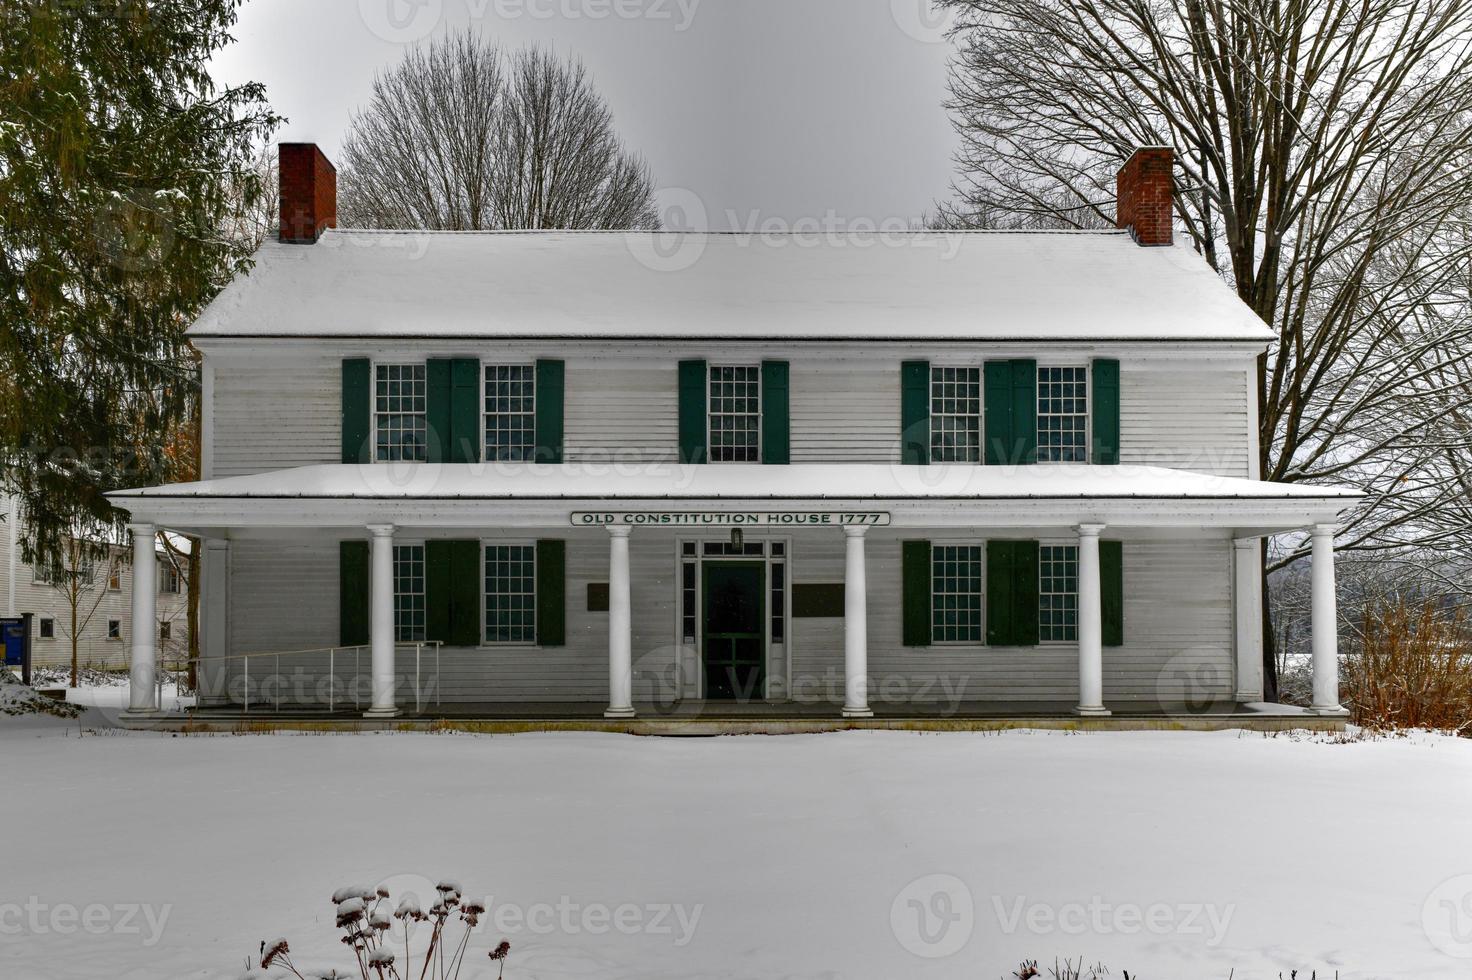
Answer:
[(458, 495)]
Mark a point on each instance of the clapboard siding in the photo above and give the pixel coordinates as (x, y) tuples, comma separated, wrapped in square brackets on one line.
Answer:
[(1185, 417), (282, 409), (1178, 627), (276, 414)]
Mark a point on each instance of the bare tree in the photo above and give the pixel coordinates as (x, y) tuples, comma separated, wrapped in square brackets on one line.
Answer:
[(76, 583), (462, 135), (255, 201), (1325, 159)]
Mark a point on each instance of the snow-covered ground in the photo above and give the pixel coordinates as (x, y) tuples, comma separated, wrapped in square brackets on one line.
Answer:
[(856, 855)]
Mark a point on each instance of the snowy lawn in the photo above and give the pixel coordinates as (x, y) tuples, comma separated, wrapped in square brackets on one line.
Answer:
[(856, 855)]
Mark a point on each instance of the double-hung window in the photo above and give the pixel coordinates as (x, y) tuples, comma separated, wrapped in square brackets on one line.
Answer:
[(400, 413), (957, 593), (409, 593), (511, 412), (1058, 593), (1063, 415), (735, 415), (955, 414), (511, 593)]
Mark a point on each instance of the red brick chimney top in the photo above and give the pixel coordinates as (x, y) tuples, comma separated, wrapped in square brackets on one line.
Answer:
[(1145, 195), (308, 193)]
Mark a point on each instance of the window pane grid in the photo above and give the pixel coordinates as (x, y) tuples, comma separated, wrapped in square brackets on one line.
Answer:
[(511, 593), (1063, 415), (511, 412), (956, 594), (400, 407), (408, 592), (1058, 593), (955, 414), (735, 414)]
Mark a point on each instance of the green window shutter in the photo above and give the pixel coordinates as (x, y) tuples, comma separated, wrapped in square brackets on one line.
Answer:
[(437, 410), (996, 385), (915, 577), (438, 593), (352, 564), (357, 411), (1105, 397), (1025, 411), (465, 410), (550, 391), (1000, 593), (551, 592), (466, 582), (693, 388), (1111, 591), (452, 587), (915, 412), (776, 424), (1025, 598)]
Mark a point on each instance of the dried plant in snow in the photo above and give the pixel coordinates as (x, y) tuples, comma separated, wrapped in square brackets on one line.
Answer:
[(370, 930)]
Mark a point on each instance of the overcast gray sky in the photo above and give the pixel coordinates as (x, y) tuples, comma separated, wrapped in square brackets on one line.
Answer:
[(747, 109)]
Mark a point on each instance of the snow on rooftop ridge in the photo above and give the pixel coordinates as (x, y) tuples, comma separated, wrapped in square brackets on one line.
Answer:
[(728, 233)]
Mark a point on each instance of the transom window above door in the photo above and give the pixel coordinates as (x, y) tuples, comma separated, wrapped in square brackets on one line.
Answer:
[(735, 414), (511, 412), (401, 407), (955, 414)]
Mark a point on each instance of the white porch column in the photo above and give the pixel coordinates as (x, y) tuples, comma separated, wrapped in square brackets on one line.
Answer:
[(855, 626), (381, 620), (1325, 624), (1090, 625), (214, 614), (620, 626), (143, 650), (1247, 606)]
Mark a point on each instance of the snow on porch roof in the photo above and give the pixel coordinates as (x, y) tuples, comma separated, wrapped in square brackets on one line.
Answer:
[(1084, 286), (734, 481)]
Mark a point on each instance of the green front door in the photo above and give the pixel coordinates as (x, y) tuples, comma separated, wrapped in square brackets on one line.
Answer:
[(735, 651)]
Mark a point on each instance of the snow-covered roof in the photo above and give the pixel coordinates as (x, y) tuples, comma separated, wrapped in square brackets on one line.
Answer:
[(732, 481), (991, 286)]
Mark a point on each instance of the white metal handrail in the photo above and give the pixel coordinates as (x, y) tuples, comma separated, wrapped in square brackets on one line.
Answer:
[(418, 646)]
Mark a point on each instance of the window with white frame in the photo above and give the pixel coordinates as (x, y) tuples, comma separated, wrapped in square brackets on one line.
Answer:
[(511, 412), (165, 630), (1063, 415), (408, 592), (1058, 593), (114, 629), (401, 405), (735, 414), (168, 578), (511, 593), (957, 594), (48, 628), (955, 415)]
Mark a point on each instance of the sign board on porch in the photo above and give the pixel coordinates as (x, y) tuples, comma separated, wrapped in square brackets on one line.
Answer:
[(732, 518)]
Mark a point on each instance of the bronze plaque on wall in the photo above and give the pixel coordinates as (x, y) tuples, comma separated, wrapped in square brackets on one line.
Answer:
[(817, 601)]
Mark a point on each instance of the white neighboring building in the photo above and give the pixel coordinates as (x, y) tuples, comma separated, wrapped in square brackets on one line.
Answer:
[(103, 610), (622, 473)]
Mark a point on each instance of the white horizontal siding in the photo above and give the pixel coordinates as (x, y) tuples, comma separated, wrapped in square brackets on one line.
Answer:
[(1178, 627), (1185, 417), (276, 414)]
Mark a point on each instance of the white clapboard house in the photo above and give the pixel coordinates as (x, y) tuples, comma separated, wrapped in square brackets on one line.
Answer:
[(563, 474)]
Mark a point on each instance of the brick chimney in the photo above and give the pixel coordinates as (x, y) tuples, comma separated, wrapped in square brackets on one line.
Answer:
[(1144, 195), (308, 193)]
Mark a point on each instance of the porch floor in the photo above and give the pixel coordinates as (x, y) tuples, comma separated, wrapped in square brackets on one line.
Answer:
[(697, 718)]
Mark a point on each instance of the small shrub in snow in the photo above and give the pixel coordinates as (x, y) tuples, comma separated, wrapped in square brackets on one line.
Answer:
[(17, 698), (369, 931)]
